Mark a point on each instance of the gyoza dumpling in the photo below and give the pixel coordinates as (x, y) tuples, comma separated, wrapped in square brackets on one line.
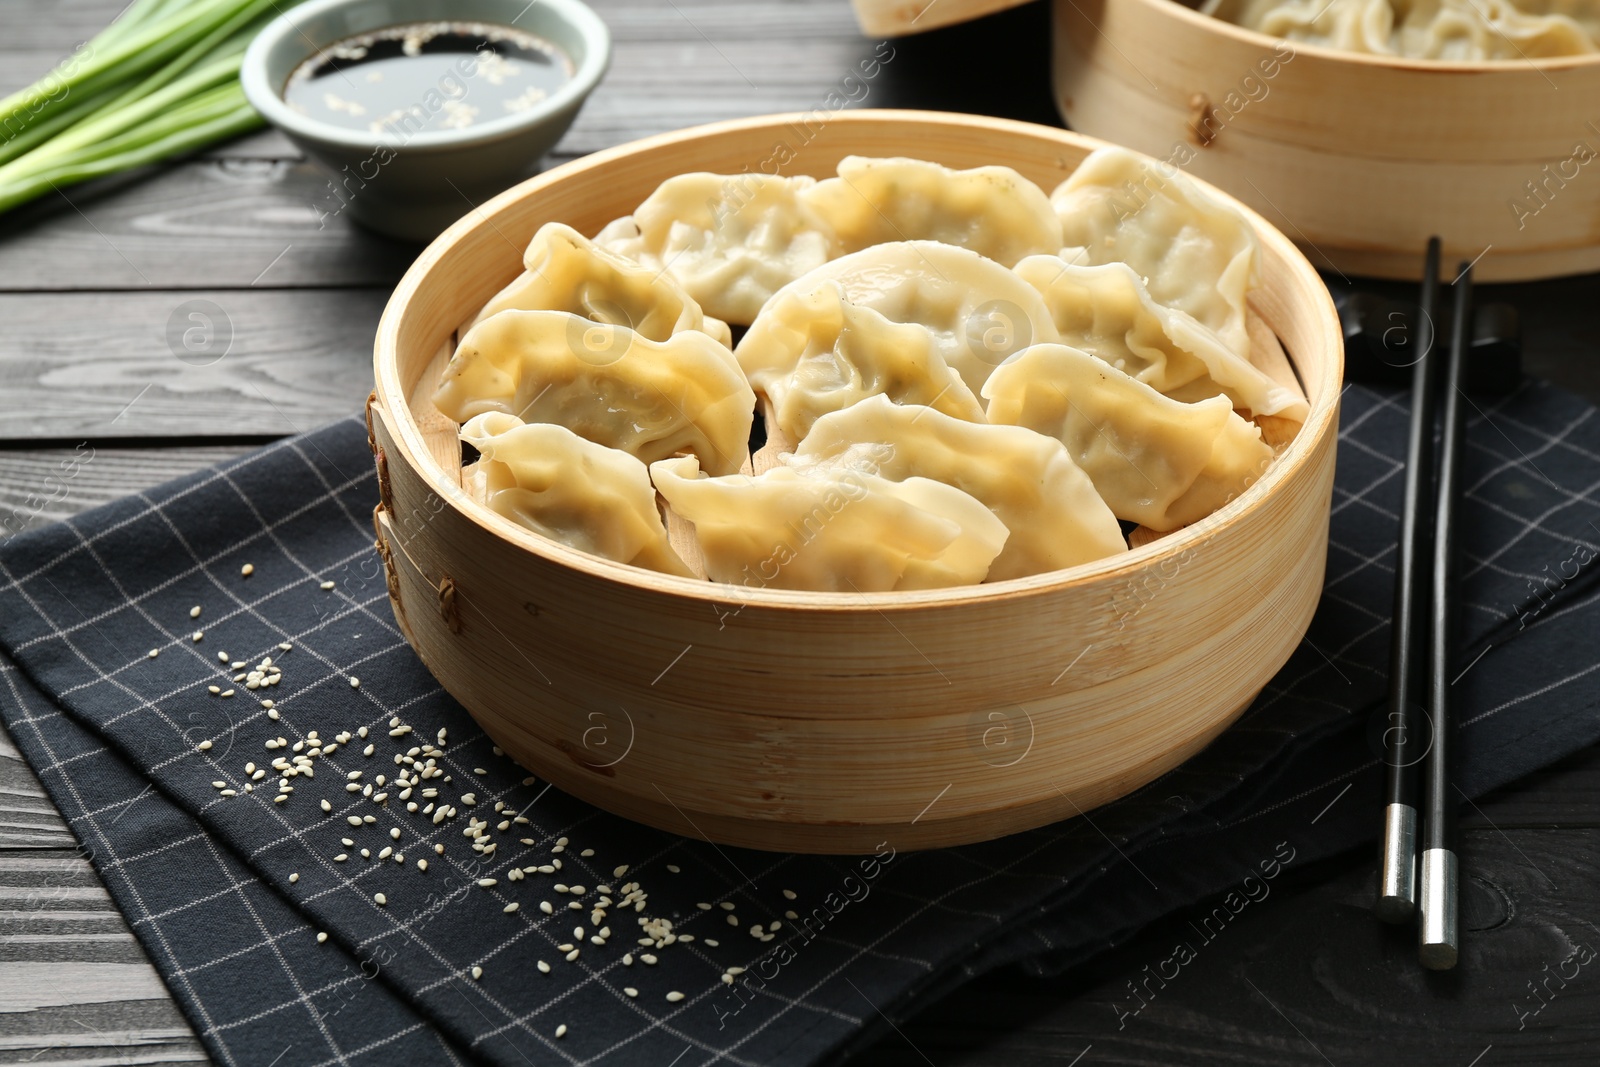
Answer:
[(1477, 30), (731, 240), (1153, 460), (811, 351), (1028, 480), (568, 272), (978, 311), (994, 211), (1193, 253), (1352, 25), (553, 482), (605, 383), (832, 529), (1107, 312)]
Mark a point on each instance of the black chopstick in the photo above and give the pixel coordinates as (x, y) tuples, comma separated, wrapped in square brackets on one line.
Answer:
[(1396, 900), (1439, 937)]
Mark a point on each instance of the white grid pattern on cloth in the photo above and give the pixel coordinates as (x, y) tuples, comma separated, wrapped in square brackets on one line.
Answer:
[(854, 950), (246, 894)]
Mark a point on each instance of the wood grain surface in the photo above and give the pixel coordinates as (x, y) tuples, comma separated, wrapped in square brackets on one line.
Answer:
[(1307, 978)]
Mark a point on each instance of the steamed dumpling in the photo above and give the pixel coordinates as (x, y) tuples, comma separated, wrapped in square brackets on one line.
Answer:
[(731, 240), (1108, 312), (568, 272), (812, 351), (994, 211), (551, 481), (1352, 25), (1028, 480), (978, 311), (1193, 253), (833, 529), (605, 383), (1450, 30), (1154, 460)]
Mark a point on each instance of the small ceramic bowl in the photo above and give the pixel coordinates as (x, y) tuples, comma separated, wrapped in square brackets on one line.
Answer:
[(412, 187)]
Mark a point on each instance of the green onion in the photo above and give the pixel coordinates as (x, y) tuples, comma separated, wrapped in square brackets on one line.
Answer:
[(160, 81)]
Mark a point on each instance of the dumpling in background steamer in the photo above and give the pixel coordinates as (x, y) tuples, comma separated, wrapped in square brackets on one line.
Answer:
[(1477, 30), (994, 211), (1452, 30), (1351, 25), (1193, 253), (568, 272), (1154, 460), (978, 311), (1107, 312), (731, 240), (832, 529), (551, 481), (1028, 480), (812, 351), (605, 383)]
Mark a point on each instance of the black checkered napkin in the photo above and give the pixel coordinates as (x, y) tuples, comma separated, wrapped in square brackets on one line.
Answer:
[(81, 605)]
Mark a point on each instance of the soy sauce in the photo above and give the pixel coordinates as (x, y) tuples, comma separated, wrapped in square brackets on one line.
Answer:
[(427, 76)]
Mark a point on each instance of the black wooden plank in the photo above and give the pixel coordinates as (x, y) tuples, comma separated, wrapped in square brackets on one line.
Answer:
[(1307, 977), (91, 366), (231, 223)]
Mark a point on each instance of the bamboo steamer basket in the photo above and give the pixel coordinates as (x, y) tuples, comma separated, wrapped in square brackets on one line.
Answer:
[(818, 722), (1359, 158), (896, 18)]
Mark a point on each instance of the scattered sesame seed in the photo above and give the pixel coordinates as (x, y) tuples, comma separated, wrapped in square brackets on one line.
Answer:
[(204, 746), (395, 833), (561, 1031), (674, 868), (509, 908), (326, 585), (628, 989), (733, 920), (341, 857), (154, 652), (712, 942), (439, 849), (293, 878), (544, 906), (572, 955), (272, 713), (791, 915), (488, 882), (355, 683), (620, 871), (726, 905), (229, 793), (197, 635), (674, 996), (194, 612), (477, 973), (380, 898), (703, 906), (422, 865), (321, 937), (789, 894), (544, 968), (353, 820), (647, 958), (326, 806), (248, 569)]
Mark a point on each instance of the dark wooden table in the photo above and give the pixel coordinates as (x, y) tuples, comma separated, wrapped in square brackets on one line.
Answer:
[(89, 285)]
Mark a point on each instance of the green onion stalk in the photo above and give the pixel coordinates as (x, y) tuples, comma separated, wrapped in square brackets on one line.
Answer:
[(161, 81)]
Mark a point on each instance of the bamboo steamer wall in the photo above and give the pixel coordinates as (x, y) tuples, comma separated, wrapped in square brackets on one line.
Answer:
[(833, 722), (1358, 158)]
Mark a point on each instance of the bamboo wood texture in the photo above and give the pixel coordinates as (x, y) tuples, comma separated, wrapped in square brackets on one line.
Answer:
[(897, 18), (830, 722), (1358, 158)]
